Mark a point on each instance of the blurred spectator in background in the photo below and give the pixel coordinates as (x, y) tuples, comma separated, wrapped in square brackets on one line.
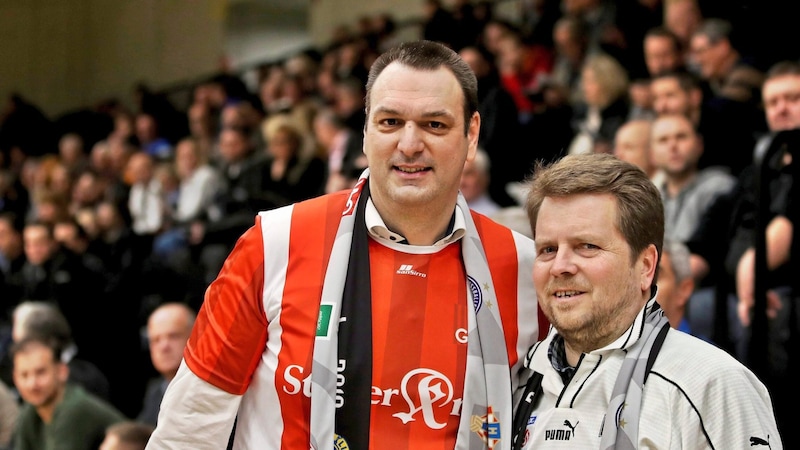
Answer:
[(537, 19), (475, 184), (523, 67), (72, 154), (348, 102), (55, 410), (9, 413), (145, 201), (632, 144), (88, 190), (601, 19), (127, 435), (675, 284), (687, 190), (728, 129), (232, 210), (467, 26), (571, 40), (199, 182), (343, 149), (14, 196), (604, 108), (689, 194), (719, 63), (168, 329), (204, 128), (438, 23), (151, 138), (501, 131), (53, 274), (12, 258), (292, 169), (43, 319), (72, 237), (683, 18), (662, 51)]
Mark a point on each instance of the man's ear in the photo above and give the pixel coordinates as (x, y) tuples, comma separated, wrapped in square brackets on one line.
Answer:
[(63, 372), (649, 262), (473, 132)]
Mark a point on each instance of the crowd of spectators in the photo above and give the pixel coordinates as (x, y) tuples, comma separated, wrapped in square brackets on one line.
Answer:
[(112, 211)]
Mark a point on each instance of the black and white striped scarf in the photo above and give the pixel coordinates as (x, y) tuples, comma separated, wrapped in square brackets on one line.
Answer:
[(487, 386)]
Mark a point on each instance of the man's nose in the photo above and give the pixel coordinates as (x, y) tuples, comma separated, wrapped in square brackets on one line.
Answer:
[(410, 139), (563, 263)]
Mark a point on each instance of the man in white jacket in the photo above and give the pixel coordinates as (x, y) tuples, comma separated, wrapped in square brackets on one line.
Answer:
[(611, 372)]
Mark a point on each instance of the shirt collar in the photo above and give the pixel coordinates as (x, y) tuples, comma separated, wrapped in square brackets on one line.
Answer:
[(557, 354), (377, 227)]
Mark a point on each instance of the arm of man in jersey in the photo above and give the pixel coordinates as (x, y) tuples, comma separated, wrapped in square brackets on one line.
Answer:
[(200, 405)]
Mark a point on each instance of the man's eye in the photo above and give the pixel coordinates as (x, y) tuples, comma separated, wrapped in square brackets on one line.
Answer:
[(436, 125), (390, 122)]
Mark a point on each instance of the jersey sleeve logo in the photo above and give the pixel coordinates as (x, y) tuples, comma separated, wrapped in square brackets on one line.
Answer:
[(324, 321)]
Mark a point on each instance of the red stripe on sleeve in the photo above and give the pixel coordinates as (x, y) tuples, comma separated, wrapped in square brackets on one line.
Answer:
[(230, 332)]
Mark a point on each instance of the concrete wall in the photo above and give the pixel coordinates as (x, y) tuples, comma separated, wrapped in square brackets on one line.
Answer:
[(62, 55)]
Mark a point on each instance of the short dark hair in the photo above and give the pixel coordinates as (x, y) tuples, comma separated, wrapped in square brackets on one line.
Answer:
[(51, 342), (783, 68), (687, 81), (429, 55), (715, 29), (663, 31), (131, 432), (16, 221)]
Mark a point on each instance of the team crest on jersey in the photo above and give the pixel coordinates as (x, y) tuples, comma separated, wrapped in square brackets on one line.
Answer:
[(339, 443), (475, 291), (487, 427)]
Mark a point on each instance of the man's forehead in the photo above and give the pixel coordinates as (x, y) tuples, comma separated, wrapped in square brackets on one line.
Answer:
[(782, 84)]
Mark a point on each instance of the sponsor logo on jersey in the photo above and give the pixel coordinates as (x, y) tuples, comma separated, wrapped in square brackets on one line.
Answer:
[(487, 427), (408, 269), (428, 394), (475, 291), (561, 434), (324, 320), (435, 394)]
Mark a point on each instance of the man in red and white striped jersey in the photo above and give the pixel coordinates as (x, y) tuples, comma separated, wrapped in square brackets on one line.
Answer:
[(384, 316)]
